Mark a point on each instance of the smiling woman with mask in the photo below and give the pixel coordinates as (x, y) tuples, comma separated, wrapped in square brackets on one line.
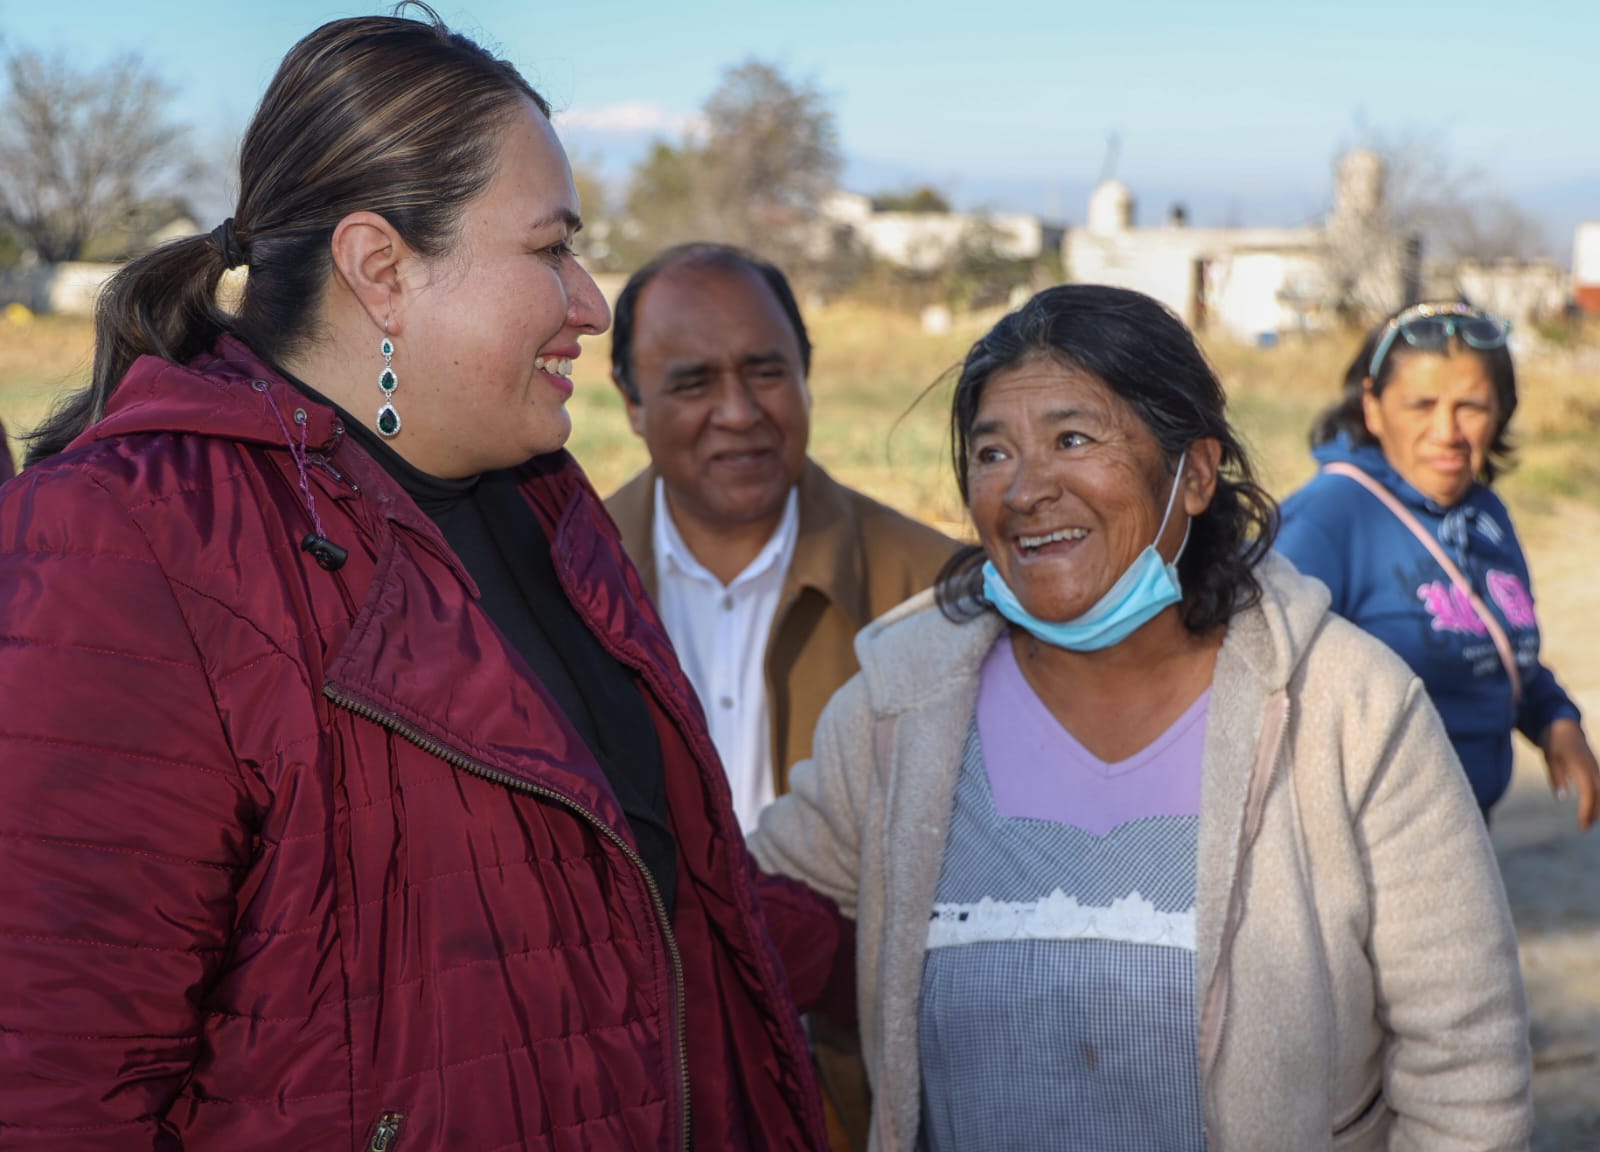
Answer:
[(1146, 847), (1426, 559)]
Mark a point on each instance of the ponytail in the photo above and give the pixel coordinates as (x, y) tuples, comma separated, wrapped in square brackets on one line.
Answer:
[(161, 304)]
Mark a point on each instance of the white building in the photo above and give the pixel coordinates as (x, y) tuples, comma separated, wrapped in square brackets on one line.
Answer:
[(72, 288), (1586, 266), (925, 241), (1254, 283), (1524, 291), (69, 289)]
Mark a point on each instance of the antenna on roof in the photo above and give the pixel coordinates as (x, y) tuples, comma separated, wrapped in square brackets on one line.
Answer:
[(1113, 150)]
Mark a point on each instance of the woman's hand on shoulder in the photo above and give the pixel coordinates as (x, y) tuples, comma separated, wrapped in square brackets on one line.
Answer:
[(1572, 767)]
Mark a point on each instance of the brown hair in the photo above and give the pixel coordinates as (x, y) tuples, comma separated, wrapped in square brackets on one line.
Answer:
[(379, 113)]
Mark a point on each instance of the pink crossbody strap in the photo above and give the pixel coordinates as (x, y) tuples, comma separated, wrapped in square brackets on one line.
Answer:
[(1502, 642)]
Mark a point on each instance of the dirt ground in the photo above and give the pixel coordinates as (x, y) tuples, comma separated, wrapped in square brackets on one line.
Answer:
[(1551, 871), (1552, 877)]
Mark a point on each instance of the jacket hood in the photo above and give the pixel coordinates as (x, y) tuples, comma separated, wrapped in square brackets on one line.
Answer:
[(202, 398), (1371, 460), (1275, 634), (232, 394), (1270, 637)]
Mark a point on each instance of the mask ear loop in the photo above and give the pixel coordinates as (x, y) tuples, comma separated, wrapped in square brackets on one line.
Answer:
[(1184, 543), (1172, 502)]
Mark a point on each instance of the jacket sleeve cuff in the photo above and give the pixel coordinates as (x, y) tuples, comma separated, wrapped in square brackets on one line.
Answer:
[(815, 943), (1543, 703)]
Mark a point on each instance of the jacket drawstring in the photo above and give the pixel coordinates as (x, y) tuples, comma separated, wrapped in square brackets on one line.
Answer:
[(324, 551)]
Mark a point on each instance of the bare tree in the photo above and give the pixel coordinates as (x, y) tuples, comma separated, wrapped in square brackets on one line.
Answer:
[(83, 154), (1455, 208), (1401, 197), (1372, 256), (756, 175), (772, 149)]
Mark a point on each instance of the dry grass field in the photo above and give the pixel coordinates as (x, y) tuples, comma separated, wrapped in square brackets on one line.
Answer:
[(868, 428)]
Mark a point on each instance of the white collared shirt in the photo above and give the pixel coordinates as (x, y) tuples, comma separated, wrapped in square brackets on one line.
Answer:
[(720, 633)]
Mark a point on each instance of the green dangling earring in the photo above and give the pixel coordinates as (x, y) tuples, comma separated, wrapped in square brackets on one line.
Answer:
[(388, 418)]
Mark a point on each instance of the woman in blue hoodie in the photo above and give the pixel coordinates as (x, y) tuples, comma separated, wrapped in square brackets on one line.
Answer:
[(1426, 558)]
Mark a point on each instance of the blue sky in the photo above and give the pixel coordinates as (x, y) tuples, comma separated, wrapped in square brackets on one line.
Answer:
[(1237, 106)]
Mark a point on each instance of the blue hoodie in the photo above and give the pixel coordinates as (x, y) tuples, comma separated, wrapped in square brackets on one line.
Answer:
[(1384, 581)]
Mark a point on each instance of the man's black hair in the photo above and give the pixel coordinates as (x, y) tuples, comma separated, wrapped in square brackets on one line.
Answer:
[(695, 256)]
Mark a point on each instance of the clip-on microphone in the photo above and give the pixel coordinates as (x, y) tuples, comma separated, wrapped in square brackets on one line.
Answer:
[(324, 551)]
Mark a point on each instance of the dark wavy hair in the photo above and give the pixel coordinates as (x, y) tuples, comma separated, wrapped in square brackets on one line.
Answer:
[(695, 256), (1144, 354), (1346, 416), (397, 116)]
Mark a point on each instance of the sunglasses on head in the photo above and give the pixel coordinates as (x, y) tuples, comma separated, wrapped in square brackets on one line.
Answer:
[(1430, 327)]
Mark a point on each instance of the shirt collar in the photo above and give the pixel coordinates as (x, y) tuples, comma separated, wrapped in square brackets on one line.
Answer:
[(776, 554)]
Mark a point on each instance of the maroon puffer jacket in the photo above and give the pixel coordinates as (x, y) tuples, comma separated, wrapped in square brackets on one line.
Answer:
[(297, 859)]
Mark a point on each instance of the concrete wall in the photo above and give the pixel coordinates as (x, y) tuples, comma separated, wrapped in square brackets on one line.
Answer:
[(1524, 293), (925, 241), (1160, 262), (1225, 276), (1252, 295), (1248, 282)]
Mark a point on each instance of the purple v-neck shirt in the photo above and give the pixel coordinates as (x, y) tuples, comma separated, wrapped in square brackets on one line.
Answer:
[(1038, 770)]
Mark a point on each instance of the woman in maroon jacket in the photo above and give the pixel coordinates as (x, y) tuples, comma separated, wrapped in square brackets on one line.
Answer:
[(351, 796)]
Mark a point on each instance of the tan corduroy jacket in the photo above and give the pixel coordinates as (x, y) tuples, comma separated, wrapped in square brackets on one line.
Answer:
[(1355, 966), (854, 560)]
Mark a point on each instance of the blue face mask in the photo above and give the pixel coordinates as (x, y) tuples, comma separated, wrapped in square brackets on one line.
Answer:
[(1139, 595)]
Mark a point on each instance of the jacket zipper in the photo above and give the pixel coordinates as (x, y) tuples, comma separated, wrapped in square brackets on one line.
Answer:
[(385, 1134), (451, 756)]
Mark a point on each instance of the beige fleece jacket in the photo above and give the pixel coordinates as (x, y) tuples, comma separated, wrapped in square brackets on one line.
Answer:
[(1355, 961)]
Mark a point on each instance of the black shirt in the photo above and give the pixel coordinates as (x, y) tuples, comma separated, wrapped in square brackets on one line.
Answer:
[(500, 541)]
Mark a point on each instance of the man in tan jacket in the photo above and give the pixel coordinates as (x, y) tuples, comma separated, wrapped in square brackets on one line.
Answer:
[(763, 566)]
